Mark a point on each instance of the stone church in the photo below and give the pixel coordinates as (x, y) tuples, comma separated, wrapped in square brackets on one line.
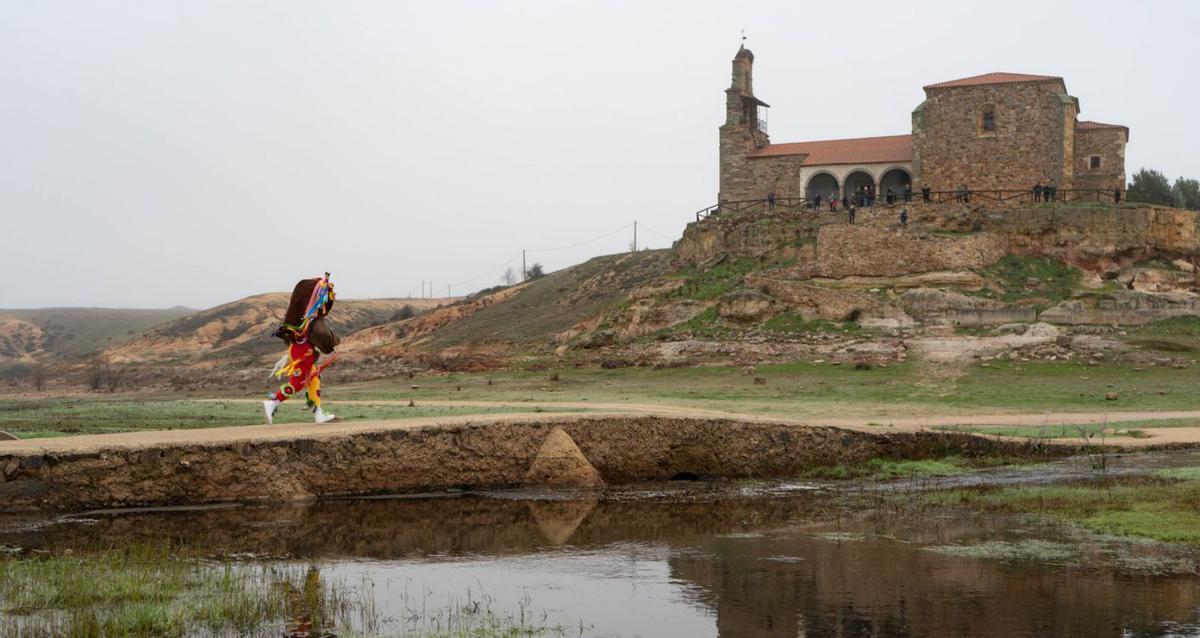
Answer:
[(991, 132)]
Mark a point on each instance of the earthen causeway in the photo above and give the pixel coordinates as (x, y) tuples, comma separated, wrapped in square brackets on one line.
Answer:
[(303, 462)]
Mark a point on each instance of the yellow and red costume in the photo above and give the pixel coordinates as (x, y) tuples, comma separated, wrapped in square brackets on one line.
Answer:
[(308, 336)]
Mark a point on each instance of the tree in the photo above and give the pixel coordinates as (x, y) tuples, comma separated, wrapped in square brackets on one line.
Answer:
[(37, 375), (405, 312), (509, 277), (1150, 186), (535, 272), (1186, 193), (95, 374)]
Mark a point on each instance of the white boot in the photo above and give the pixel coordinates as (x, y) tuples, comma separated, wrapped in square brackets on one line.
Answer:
[(269, 406), (320, 417)]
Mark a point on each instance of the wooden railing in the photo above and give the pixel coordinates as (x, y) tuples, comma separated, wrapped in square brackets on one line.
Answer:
[(802, 204)]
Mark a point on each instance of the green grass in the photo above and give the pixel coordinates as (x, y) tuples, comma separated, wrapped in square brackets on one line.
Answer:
[(1180, 473), (1163, 508), (726, 276), (799, 389), (707, 324), (1068, 431), (889, 469), (1188, 327), (803, 388), (61, 417), (793, 323), (1057, 281), (141, 590)]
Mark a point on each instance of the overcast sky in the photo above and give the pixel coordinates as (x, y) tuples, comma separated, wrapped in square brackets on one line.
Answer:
[(162, 153)]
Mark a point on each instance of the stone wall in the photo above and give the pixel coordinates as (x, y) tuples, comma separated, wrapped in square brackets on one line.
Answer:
[(1028, 146), (739, 178), (1109, 144), (779, 175), (845, 250), (1100, 238)]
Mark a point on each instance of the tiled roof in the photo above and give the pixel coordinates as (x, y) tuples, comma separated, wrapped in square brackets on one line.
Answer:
[(1091, 125), (993, 78), (862, 150)]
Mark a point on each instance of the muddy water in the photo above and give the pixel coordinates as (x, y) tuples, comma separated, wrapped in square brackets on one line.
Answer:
[(690, 559)]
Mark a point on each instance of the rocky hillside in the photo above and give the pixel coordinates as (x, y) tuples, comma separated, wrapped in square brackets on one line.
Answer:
[(785, 286), (237, 334), (1048, 281), (46, 334), (487, 329)]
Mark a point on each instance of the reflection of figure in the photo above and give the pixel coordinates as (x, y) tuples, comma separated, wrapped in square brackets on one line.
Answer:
[(307, 335), (304, 604)]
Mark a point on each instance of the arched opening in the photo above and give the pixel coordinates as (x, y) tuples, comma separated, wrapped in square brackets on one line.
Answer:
[(896, 179), (856, 181), (823, 185)]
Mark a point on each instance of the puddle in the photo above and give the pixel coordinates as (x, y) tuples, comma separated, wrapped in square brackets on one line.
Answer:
[(701, 559)]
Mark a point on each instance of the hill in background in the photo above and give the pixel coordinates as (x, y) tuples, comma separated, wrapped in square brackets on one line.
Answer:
[(239, 332), (41, 334)]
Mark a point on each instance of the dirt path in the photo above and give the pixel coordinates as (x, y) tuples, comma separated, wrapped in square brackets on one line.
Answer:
[(541, 411)]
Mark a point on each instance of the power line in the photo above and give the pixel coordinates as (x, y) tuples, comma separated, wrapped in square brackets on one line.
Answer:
[(508, 263), (604, 236), (489, 273), (643, 226)]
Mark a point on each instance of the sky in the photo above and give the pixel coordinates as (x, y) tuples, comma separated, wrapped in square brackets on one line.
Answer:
[(155, 154)]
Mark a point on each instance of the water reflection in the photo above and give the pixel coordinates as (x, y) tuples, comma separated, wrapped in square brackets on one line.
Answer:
[(691, 563)]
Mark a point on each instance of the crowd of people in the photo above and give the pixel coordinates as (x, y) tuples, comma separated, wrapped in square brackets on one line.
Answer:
[(1045, 192), (862, 197), (866, 196)]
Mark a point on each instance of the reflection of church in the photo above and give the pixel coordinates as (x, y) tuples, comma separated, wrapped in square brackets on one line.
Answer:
[(998, 131)]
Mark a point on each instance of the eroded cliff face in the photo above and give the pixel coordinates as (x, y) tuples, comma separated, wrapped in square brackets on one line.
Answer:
[(1097, 238), (951, 264)]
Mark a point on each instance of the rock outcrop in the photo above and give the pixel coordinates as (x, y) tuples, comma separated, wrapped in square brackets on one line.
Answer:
[(1123, 307), (943, 307), (745, 306), (560, 463), (817, 302)]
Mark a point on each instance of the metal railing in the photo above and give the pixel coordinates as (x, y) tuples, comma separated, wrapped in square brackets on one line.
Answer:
[(803, 204)]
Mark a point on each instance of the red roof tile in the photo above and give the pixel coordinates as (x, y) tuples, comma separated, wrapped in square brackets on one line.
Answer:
[(993, 78), (1092, 125), (1095, 126), (863, 150)]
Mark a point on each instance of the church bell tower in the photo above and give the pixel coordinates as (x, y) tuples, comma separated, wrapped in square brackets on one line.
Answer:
[(743, 131)]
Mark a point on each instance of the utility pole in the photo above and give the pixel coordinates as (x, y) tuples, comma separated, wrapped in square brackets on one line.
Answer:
[(635, 235), (447, 291), (523, 271)]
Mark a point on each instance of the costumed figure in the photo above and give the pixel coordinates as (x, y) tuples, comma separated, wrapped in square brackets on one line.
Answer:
[(308, 336)]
